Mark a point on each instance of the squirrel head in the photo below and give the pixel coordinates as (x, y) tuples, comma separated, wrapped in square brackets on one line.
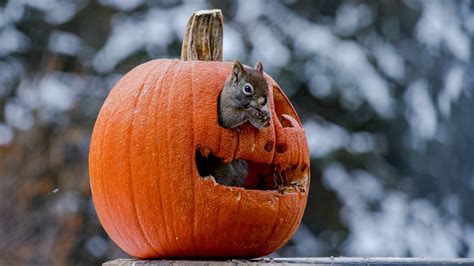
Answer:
[(249, 85)]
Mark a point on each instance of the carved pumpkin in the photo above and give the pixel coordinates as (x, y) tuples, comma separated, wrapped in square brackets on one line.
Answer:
[(154, 125), (145, 184)]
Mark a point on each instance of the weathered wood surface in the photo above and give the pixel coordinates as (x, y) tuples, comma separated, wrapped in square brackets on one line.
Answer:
[(298, 261), (204, 36)]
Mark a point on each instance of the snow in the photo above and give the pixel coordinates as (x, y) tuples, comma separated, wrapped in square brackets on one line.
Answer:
[(453, 87), (351, 17), (56, 94), (439, 25), (348, 59), (233, 44), (132, 34), (18, 115), (10, 68), (6, 135), (324, 137), (389, 61), (64, 43), (306, 244), (124, 5), (399, 226), (12, 12), (246, 13), (274, 55), (56, 11), (362, 142), (319, 84), (420, 113), (97, 246), (12, 41)]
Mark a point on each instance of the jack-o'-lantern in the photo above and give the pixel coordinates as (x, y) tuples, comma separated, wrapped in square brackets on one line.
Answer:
[(156, 123)]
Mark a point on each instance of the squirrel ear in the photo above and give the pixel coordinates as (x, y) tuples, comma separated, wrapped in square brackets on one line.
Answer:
[(259, 67), (238, 70)]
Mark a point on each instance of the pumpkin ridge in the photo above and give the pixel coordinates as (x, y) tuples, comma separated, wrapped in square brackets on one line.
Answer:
[(219, 208), (195, 173), (275, 221), (239, 209), (302, 144), (151, 85), (99, 180), (299, 160), (168, 106), (129, 133), (221, 130), (301, 147), (153, 118), (292, 227), (124, 240), (193, 169), (217, 120), (297, 221), (160, 187)]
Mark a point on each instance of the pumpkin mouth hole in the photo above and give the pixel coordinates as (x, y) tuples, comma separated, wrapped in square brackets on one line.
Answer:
[(260, 176)]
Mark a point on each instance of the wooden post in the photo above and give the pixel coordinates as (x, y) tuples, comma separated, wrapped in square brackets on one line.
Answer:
[(204, 36), (331, 261)]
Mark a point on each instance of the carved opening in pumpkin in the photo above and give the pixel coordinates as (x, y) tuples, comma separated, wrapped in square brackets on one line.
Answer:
[(285, 113), (261, 176)]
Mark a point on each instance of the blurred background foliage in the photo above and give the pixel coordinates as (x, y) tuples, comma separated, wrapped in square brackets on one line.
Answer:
[(383, 88)]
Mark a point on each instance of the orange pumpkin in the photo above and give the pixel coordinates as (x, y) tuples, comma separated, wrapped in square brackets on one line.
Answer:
[(146, 188)]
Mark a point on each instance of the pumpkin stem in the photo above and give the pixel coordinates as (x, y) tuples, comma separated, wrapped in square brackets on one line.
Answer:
[(204, 36)]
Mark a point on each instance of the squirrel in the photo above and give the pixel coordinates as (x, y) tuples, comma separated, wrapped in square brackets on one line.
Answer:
[(244, 98)]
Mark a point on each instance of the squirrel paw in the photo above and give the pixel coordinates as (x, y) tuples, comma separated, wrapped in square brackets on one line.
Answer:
[(260, 118)]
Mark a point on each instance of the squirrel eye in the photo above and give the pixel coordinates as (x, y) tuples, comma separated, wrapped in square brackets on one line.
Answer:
[(248, 89)]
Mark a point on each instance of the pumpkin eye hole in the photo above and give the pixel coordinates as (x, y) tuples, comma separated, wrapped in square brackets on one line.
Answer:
[(247, 89)]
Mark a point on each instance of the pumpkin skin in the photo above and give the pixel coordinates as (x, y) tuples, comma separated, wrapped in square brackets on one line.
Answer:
[(145, 185)]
